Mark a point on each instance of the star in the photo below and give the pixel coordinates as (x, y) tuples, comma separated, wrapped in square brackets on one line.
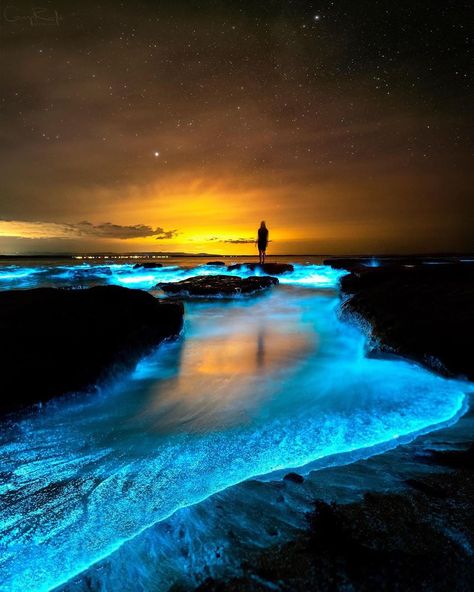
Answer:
[(317, 17), (156, 154)]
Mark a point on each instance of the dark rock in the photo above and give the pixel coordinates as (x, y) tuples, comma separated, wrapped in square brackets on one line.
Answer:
[(294, 478), (147, 265), (410, 541), (216, 263), (220, 285), (55, 341), (234, 585), (425, 313), (456, 459), (359, 263), (425, 488), (349, 263), (269, 268)]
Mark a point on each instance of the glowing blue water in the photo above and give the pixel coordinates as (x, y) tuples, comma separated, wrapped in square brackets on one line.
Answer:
[(86, 274), (373, 263), (254, 386)]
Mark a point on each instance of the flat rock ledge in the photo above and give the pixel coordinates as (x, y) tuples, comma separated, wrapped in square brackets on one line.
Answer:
[(218, 285), (216, 263), (268, 268), (147, 265), (56, 341)]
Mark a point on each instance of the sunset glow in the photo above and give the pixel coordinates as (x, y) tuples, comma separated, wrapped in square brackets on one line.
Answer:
[(236, 287), (314, 120)]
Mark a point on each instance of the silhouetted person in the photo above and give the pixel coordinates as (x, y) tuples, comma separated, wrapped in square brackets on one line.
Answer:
[(262, 241)]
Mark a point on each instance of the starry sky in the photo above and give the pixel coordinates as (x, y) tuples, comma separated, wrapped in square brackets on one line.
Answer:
[(179, 125)]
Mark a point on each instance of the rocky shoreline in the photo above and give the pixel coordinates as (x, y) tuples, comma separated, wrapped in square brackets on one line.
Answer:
[(423, 312), (415, 537), (56, 341), (420, 536)]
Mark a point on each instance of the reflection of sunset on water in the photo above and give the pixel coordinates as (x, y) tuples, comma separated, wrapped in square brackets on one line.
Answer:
[(225, 370), (266, 349)]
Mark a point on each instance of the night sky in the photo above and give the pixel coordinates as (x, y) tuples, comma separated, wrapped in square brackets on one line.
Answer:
[(178, 126)]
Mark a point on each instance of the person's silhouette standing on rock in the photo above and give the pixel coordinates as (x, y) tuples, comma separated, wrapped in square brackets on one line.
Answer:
[(262, 242)]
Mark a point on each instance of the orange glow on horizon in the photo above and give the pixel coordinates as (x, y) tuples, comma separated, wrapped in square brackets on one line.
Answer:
[(196, 216)]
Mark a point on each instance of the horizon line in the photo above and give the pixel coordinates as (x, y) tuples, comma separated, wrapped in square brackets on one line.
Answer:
[(166, 254)]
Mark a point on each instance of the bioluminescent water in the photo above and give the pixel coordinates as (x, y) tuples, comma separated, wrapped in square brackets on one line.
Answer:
[(90, 274), (254, 385)]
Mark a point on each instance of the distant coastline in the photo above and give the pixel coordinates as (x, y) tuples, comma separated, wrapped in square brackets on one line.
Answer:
[(171, 255)]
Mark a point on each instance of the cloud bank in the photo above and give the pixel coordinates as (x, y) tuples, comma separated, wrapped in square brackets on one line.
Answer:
[(84, 229), (239, 241)]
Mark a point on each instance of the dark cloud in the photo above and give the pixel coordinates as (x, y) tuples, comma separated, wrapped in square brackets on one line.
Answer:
[(117, 231), (81, 230), (238, 241), (232, 241), (166, 234)]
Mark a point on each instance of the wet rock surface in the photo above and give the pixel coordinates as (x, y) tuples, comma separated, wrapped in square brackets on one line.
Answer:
[(268, 268), (294, 478), (218, 285), (147, 265), (423, 312), (216, 263), (415, 540), (56, 341), (349, 263)]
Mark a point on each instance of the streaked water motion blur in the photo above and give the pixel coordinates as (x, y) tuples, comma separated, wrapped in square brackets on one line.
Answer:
[(254, 385)]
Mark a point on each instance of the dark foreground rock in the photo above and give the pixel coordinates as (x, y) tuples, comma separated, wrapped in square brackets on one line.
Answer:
[(147, 265), (420, 539), (216, 263), (268, 268), (349, 263), (218, 285), (294, 478), (423, 312), (56, 341)]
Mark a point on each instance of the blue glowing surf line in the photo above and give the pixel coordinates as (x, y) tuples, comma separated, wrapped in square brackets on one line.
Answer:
[(373, 263), (14, 272), (12, 275), (171, 434), (271, 475), (357, 454), (146, 279), (374, 449)]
